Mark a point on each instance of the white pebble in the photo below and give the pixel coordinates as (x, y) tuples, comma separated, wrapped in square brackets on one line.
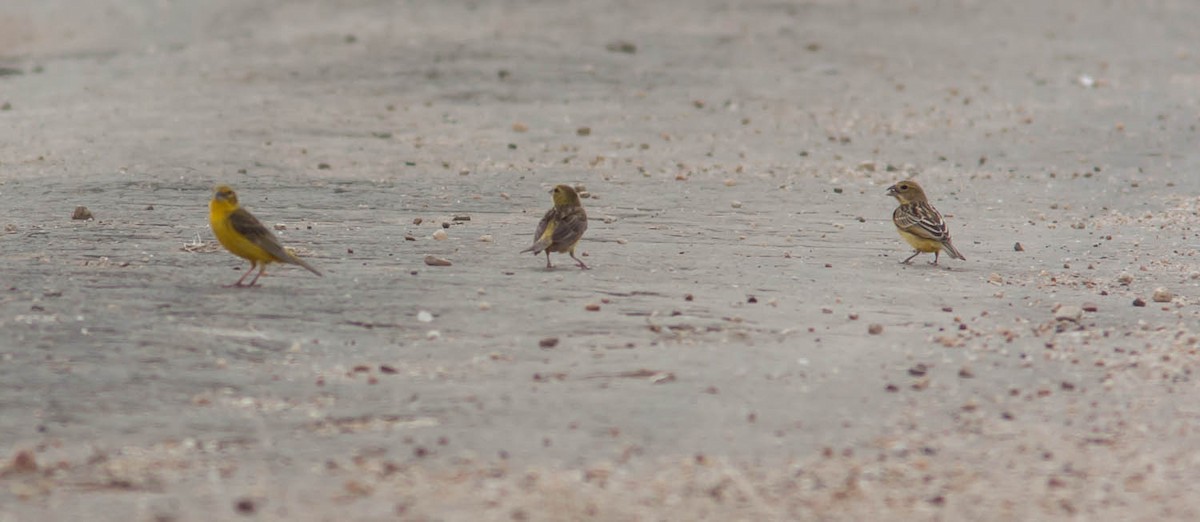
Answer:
[(736, 204), (486, 238), (433, 335), (424, 317), (484, 305), (440, 235)]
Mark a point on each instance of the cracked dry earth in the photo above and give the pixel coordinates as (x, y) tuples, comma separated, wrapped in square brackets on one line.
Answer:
[(746, 346)]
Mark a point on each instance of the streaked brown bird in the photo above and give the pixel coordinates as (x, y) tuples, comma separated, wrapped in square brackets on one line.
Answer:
[(919, 223)]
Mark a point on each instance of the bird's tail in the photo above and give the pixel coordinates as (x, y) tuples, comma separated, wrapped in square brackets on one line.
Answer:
[(954, 253), (539, 245), (297, 261)]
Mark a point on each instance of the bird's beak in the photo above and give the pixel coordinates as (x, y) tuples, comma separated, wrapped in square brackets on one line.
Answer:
[(891, 191)]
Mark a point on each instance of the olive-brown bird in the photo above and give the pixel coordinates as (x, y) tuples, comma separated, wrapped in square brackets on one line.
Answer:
[(243, 235), (919, 223), (561, 227)]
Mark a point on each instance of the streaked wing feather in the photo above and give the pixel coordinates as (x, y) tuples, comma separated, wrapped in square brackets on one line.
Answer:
[(571, 226), (922, 220)]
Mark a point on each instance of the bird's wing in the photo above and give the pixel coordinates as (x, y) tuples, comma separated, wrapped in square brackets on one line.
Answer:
[(247, 225), (571, 226), (921, 220)]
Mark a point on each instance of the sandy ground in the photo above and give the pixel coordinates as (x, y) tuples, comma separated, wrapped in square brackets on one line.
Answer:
[(715, 364)]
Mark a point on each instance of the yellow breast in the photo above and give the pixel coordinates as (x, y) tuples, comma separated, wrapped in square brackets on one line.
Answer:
[(921, 243), (236, 243)]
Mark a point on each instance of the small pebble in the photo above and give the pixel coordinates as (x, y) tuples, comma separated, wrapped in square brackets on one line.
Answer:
[(1139, 302), (424, 316), (409, 237), (280, 226), (1068, 313), (584, 131), (461, 217), (592, 307), (440, 235), (548, 342), (433, 260), (519, 127), (418, 221), (1018, 248), (736, 204), (1125, 279), (486, 238), (875, 329), (323, 166), (1090, 307), (1162, 295), (82, 213), (433, 335), (485, 306)]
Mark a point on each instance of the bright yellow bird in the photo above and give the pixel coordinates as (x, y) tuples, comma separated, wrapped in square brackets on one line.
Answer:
[(919, 223), (561, 227), (244, 236)]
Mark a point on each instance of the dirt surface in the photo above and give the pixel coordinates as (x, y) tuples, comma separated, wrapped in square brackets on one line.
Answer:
[(718, 361)]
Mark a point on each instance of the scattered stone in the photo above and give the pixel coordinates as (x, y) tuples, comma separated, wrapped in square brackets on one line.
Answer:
[(440, 235), (1017, 247), (729, 182), (461, 217), (1068, 313), (736, 204), (875, 329), (1125, 279), (418, 221), (965, 373), (519, 127), (583, 131), (1090, 307), (867, 166), (433, 260), (23, 462), (547, 343), (323, 166), (445, 224), (280, 226), (918, 370), (1139, 302), (485, 306), (621, 46), (409, 237), (149, 207), (995, 279), (424, 316), (82, 213), (1162, 295), (592, 307), (245, 506), (486, 238)]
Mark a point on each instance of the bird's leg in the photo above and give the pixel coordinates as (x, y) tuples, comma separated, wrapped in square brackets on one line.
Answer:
[(261, 271), (915, 254), (548, 265), (935, 259), (581, 264), (243, 278)]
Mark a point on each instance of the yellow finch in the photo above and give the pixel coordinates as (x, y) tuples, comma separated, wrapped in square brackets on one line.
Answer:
[(244, 236), (919, 223), (561, 227)]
